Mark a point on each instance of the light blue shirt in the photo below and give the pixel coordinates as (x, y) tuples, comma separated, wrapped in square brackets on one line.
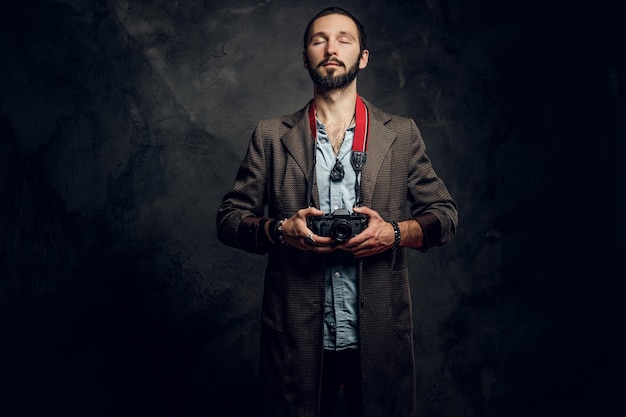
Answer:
[(341, 305)]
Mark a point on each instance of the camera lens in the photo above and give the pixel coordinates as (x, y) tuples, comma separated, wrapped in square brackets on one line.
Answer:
[(341, 231)]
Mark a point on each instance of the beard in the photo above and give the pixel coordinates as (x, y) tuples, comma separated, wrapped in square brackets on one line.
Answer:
[(330, 81)]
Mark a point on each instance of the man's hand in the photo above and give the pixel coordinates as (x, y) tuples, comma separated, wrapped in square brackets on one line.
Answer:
[(377, 237), (297, 234)]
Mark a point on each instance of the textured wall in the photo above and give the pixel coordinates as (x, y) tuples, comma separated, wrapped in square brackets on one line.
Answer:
[(123, 123)]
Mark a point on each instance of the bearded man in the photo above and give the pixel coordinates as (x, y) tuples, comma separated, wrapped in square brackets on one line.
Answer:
[(324, 192)]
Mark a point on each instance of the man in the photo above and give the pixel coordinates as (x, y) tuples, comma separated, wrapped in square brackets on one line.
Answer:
[(336, 313)]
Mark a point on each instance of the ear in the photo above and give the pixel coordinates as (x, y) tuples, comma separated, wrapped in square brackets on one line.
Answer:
[(364, 59), (305, 60)]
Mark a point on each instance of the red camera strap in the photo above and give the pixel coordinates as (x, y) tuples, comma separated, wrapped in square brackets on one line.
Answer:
[(361, 130)]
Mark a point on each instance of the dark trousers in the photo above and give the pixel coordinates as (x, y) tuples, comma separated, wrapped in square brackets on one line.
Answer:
[(341, 370)]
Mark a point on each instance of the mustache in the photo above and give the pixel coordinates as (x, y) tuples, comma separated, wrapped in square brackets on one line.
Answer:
[(331, 59)]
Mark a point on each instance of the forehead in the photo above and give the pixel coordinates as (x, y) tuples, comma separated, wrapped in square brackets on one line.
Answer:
[(334, 23)]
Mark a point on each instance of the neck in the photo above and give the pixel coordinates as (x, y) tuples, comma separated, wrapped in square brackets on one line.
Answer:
[(337, 104)]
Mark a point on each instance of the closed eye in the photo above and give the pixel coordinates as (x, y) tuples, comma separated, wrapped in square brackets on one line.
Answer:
[(317, 39)]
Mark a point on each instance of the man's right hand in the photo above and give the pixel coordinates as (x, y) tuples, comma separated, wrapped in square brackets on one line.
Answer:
[(297, 234)]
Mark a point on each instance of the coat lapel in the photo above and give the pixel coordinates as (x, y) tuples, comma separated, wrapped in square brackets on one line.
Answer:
[(301, 146), (379, 143)]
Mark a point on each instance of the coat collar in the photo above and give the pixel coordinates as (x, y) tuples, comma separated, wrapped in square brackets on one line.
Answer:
[(299, 143)]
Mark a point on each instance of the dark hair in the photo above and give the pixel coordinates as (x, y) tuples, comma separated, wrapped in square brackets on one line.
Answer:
[(336, 10)]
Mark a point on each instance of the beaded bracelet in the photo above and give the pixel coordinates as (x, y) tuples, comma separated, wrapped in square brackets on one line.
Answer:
[(279, 232), (396, 234)]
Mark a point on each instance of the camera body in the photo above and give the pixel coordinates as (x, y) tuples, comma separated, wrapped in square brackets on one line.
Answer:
[(341, 225)]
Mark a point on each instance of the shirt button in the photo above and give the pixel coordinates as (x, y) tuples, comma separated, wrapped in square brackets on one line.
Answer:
[(335, 207), (337, 274)]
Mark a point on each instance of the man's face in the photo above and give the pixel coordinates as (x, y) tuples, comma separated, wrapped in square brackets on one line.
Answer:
[(333, 57)]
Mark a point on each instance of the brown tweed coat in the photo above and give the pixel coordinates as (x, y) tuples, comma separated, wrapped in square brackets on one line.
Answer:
[(274, 174)]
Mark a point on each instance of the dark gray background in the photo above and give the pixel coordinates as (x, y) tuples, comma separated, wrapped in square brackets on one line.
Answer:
[(123, 123)]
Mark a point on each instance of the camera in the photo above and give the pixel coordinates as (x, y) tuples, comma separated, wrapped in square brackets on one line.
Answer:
[(341, 225)]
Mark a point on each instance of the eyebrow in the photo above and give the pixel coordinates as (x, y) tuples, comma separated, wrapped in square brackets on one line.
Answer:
[(341, 33)]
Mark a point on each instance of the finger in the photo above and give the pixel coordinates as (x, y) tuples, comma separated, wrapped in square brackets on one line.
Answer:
[(315, 211), (310, 211), (350, 244), (324, 240), (363, 210), (357, 250), (310, 240), (322, 249)]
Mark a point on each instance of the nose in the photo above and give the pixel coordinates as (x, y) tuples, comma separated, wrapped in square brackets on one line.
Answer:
[(331, 48)]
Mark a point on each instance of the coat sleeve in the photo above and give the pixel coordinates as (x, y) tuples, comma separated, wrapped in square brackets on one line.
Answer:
[(242, 208), (432, 205)]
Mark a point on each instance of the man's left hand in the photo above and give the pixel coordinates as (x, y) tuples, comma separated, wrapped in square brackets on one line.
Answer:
[(377, 237)]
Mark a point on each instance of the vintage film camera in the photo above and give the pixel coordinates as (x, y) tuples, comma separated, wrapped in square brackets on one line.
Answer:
[(341, 225)]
